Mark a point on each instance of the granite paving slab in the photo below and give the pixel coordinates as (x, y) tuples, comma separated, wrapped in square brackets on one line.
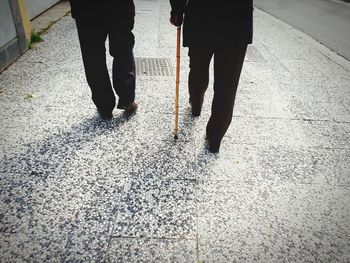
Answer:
[(158, 209), (298, 109), (155, 127), (325, 134), (314, 221), (147, 17), (236, 163), (305, 71), (312, 207), (286, 164), (340, 95), (61, 218), (332, 70), (335, 165), (236, 223), (166, 159), (266, 131), (257, 108), (144, 250), (300, 246), (338, 112), (157, 96)]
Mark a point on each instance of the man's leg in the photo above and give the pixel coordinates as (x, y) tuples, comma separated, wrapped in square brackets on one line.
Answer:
[(121, 41), (199, 76), (228, 64), (92, 39)]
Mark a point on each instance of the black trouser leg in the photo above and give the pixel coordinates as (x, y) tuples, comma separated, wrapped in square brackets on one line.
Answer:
[(228, 64), (92, 39), (121, 41), (199, 75)]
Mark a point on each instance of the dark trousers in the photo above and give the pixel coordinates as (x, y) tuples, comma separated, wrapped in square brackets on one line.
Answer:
[(92, 38), (228, 64)]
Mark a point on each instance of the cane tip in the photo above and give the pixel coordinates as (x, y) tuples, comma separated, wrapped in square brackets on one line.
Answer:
[(176, 137)]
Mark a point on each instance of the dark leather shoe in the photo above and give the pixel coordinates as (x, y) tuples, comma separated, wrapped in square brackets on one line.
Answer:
[(105, 115), (132, 108)]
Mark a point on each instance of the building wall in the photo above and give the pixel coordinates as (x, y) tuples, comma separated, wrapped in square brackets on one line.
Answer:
[(7, 28), (15, 26), (36, 7), (12, 36)]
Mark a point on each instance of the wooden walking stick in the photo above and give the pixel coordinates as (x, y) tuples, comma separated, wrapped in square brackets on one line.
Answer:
[(176, 132)]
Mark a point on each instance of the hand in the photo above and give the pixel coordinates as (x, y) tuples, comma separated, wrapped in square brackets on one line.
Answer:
[(176, 20)]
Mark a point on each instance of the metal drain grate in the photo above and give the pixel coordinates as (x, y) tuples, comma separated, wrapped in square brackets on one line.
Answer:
[(253, 55), (153, 67)]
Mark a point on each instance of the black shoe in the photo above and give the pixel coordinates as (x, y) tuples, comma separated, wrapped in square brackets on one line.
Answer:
[(105, 115), (213, 147), (195, 110)]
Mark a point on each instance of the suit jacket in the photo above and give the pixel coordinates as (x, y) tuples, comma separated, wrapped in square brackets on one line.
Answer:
[(103, 9), (218, 23)]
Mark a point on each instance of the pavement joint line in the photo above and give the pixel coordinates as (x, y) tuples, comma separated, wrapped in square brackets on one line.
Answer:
[(152, 238), (196, 205), (258, 117), (309, 120), (137, 179), (113, 224), (341, 122), (259, 145), (281, 118)]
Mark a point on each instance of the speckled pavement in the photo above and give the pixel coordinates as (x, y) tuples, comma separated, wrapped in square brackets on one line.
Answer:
[(75, 188)]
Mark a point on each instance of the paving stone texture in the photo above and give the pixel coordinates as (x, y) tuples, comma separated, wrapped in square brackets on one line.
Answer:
[(77, 189)]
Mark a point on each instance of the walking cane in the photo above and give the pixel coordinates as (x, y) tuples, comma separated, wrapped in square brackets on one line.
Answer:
[(176, 133)]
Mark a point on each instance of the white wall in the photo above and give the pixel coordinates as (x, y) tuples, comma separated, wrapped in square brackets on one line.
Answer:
[(36, 7), (7, 26)]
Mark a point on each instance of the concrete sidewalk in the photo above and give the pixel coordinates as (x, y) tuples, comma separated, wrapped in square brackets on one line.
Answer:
[(74, 188)]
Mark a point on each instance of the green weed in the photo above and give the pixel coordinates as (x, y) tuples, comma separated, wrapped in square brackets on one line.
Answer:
[(35, 38), (29, 97)]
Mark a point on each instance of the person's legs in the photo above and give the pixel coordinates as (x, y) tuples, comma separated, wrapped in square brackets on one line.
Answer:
[(199, 76), (228, 64), (121, 44), (94, 59)]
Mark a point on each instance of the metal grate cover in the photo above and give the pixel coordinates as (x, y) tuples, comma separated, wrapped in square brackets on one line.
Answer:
[(153, 67), (253, 55)]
